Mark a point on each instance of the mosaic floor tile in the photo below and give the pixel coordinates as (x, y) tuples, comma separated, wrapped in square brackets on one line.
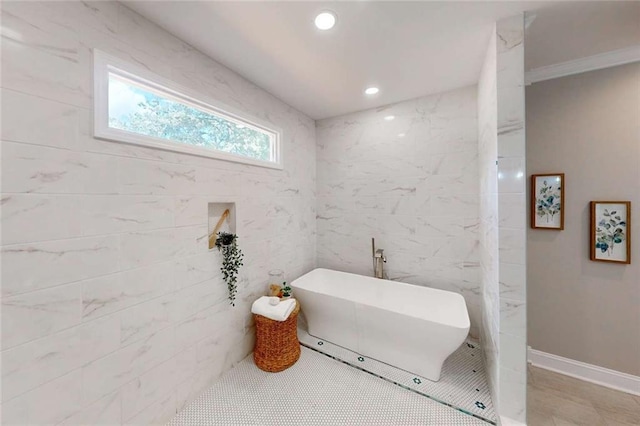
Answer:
[(317, 390), (462, 385)]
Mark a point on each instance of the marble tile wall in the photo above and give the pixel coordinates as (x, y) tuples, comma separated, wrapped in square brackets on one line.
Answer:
[(488, 214), (501, 124), (412, 184), (512, 218), (113, 309)]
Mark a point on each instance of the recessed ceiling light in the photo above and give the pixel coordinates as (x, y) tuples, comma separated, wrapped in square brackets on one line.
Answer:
[(401, 135), (371, 90), (325, 20), (390, 117)]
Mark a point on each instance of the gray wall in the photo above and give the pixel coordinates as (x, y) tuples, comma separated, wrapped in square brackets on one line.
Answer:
[(587, 126)]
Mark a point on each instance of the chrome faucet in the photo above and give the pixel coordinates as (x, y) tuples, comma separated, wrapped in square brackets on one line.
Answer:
[(378, 260)]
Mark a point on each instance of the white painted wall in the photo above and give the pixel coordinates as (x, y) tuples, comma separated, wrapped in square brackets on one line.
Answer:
[(412, 183), (113, 309)]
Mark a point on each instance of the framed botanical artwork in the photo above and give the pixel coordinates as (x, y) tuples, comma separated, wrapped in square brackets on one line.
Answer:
[(547, 201), (611, 231)]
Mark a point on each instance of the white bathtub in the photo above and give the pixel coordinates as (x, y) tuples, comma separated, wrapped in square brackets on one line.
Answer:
[(411, 327)]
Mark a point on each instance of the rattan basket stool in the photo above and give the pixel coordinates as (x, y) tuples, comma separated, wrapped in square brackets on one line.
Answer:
[(277, 346)]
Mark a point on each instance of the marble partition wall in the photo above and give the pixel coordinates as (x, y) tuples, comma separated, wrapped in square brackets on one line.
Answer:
[(113, 309), (488, 215), (503, 218), (412, 183), (511, 219)]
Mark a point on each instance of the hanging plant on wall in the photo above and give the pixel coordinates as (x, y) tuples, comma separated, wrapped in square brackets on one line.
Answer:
[(231, 261)]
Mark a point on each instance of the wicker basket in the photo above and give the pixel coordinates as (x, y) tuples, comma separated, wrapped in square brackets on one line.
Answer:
[(277, 346)]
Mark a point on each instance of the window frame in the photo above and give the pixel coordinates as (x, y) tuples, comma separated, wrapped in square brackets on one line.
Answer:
[(105, 64)]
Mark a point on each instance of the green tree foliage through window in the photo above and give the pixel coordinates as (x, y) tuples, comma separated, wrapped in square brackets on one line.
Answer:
[(136, 110)]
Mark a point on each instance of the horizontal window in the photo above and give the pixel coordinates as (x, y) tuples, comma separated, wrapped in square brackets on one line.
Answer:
[(136, 107)]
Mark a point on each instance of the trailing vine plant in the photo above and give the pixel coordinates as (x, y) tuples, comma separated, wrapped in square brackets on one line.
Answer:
[(231, 262)]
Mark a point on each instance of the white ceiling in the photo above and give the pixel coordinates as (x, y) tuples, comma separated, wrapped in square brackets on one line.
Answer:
[(408, 49)]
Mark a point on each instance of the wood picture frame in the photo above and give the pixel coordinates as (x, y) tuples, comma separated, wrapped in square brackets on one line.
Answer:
[(547, 201), (610, 231)]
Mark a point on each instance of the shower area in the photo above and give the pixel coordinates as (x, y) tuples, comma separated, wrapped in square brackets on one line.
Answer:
[(114, 309)]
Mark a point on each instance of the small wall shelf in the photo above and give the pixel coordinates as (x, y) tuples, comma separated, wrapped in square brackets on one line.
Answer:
[(222, 218)]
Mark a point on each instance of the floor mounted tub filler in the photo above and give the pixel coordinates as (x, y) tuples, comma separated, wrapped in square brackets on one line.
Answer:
[(410, 327)]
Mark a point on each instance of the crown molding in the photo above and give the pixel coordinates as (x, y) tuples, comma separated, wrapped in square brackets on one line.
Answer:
[(590, 63)]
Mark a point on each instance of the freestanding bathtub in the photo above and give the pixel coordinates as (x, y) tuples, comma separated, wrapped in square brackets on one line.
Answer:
[(410, 327)]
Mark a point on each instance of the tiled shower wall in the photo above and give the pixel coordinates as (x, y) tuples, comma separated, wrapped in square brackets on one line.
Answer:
[(410, 182), (503, 218), (487, 158), (113, 309), (512, 218)]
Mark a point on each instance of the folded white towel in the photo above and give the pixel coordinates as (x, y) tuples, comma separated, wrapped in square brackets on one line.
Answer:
[(279, 312)]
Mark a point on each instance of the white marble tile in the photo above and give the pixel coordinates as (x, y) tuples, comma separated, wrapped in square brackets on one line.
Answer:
[(511, 141), (30, 218), (28, 366), (512, 241), (156, 413), (513, 394), (191, 210), (140, 321), (109, 373), (58, 262), (156, 383), (511, 175), (37, 169), (512, 246), (154, 178), (137, 249), (196, 269), (50, 403), (110, 293), (195, 298), (513, 317), (462, 206), (105, 411), (512, 210), (203, 323), (440, 227), (44, 63), (36, 314), (104, 214), (149, 37), (48, 123), (513, 281)]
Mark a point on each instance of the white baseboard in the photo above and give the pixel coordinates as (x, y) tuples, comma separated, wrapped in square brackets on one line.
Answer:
[(587, 372)]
